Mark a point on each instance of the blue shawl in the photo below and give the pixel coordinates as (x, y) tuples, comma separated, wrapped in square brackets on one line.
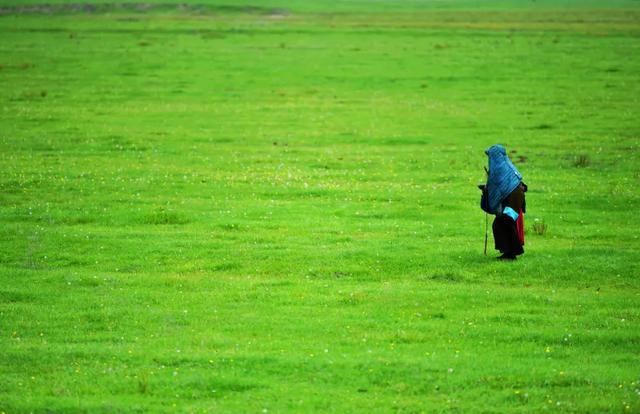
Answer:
[(503, 178)]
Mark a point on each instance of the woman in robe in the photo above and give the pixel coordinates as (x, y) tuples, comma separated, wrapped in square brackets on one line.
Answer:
[(503, 196)]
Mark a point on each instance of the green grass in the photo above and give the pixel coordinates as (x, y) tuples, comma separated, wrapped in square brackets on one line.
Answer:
[(216, 208)]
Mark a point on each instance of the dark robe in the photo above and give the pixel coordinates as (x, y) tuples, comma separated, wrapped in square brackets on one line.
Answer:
[(505, 229)]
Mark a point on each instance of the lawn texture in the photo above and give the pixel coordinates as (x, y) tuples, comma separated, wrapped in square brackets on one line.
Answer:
[(272, 207)]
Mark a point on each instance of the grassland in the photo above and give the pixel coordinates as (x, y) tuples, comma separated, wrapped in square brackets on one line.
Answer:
[(221, 208)]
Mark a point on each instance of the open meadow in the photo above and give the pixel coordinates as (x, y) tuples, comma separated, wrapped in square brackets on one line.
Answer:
[(269, 206)]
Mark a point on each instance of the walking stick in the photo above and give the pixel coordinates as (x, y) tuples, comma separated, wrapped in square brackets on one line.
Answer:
[(486, 231), (486, 218)]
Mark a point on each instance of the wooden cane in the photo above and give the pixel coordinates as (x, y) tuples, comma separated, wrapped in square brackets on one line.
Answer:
[(486, 231), (486, 220)]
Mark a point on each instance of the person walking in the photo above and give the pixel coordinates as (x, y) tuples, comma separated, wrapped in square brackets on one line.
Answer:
[(504, 196)]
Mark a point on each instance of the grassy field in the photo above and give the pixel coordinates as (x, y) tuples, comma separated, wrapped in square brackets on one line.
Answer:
[(272, 206)]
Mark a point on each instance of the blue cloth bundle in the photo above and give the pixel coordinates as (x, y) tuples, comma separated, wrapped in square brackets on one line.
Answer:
[(503, 178), (508, 211)]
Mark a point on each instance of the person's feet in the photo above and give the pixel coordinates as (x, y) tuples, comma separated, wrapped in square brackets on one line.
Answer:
[(506, 257)]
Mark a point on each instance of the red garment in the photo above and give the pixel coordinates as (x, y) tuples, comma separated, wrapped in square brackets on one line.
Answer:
[(520, 227)]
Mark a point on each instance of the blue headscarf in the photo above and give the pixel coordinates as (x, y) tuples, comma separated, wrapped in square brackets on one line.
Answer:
[(503, 178)]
